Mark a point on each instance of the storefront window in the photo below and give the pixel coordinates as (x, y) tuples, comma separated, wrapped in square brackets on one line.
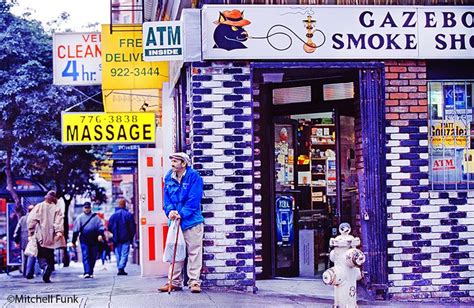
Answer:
[(451, 142)]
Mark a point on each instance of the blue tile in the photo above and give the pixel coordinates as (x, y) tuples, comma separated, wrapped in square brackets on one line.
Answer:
[(232, 71), (231, 97), (232, 84), (235, 249), (206, 118), (233, 111), (202, 78), (233, 138), (202, 91), (229, 221), (234, 179), (242, 91), (242, 77), (233, 152), (202, 104), (235, 193), (233, 165), (233, 124), (235, 235), (203, 145), (234, 207)]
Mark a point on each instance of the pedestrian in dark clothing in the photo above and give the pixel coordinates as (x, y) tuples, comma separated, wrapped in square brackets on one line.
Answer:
[(122, 225), (46, 224), (90, 230), (21, 238)]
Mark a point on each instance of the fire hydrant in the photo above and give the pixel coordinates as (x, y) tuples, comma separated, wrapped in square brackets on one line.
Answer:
[(346, 270)]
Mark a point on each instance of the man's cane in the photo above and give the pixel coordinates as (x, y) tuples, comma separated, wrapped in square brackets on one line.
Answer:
[(174, 258)]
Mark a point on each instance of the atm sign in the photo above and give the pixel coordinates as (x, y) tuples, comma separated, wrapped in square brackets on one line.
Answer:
[(108, 128)]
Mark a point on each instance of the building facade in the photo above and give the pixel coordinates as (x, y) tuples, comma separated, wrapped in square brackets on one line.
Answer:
[(375, 132)]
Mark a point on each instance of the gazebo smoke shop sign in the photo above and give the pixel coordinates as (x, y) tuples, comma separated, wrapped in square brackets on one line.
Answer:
[(338, 32)]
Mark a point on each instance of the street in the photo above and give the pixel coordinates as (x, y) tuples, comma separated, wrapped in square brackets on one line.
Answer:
[(107, 289)]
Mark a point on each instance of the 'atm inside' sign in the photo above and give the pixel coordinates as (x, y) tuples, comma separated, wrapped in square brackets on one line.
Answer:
[(163, 41)]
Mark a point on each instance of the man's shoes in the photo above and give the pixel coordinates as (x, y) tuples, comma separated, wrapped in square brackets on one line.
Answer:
[(46, 279), (121, 272), (173, 288), (195, 288), (29, 276), (87, 276)]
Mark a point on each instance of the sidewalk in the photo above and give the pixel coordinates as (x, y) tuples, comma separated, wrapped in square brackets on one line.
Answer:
[(109, 290)]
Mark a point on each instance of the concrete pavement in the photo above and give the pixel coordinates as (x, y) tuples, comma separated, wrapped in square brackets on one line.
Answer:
[(109, 290)]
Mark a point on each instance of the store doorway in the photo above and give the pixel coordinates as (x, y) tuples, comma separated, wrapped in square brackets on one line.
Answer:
[(301, 197)]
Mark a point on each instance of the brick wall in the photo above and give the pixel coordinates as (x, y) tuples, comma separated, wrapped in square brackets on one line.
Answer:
[(431, 234), (221, 134)]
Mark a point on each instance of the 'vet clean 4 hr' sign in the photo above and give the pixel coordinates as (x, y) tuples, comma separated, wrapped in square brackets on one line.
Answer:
[(77, 59), (108, 128)]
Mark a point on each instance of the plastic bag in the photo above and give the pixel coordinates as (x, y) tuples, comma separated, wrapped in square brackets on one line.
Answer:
[(32, 247), (170, 243)]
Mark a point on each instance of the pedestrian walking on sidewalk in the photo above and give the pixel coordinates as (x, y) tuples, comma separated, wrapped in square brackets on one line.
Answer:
[(90, 230), (46, 223), (183, 194), (20, 237), (122, 226)]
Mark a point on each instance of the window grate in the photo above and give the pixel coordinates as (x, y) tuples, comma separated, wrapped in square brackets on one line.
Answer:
[(450, 135)]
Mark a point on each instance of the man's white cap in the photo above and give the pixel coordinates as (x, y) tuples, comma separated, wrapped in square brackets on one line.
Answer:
[(182, 156)]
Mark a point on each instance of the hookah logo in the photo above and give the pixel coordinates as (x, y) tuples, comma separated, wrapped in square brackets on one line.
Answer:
[(309, 46), (230, 34)]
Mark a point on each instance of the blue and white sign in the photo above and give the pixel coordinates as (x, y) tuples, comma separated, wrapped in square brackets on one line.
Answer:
[(313, 32), (284, 220), (162, 41)]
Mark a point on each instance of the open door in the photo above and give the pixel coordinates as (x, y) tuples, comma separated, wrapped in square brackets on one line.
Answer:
[(286, 198), (153, 222)]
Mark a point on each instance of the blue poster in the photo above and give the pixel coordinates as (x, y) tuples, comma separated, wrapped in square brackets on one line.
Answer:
[(457, 97), (284, 220)]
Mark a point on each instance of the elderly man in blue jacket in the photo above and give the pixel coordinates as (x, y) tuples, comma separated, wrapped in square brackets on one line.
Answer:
[(183, 194)]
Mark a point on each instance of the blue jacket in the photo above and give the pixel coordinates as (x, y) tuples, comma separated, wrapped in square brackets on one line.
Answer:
[(185, 197), (122, 225)]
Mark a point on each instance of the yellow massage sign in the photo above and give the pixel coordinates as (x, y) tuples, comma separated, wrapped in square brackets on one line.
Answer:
[(108, 128)]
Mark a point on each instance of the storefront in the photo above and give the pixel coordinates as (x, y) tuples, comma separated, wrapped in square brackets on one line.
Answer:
[(357, 114)]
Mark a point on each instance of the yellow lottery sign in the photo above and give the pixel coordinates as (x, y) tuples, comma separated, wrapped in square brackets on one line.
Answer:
[(108, 128), (122, 62), (450, 134)]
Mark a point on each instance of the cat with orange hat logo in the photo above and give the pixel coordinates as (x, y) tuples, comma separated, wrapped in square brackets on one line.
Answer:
[(229, 33)]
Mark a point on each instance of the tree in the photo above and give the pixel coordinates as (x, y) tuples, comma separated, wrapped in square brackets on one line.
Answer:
[(30, 114)]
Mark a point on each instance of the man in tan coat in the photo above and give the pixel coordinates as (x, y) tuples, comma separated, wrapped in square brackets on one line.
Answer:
[(46, 223)]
